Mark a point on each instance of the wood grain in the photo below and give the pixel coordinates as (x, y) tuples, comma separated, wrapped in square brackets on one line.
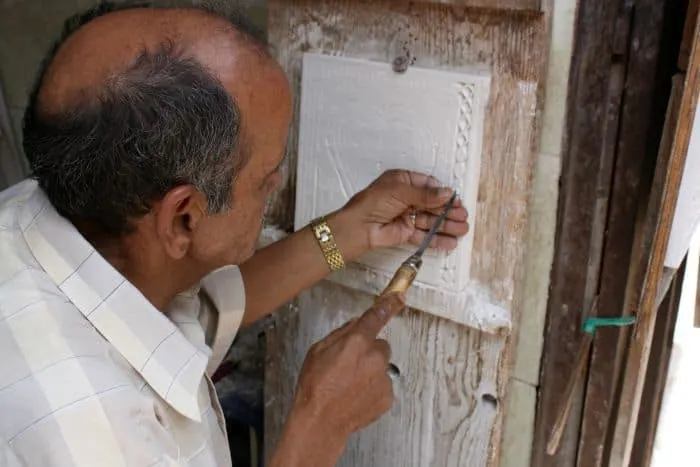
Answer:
[(447, 395), (656, 232), (533, 5), (688, 34), (454, 378)]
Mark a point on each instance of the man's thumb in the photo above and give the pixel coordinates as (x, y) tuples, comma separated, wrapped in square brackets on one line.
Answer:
[(426, 197)]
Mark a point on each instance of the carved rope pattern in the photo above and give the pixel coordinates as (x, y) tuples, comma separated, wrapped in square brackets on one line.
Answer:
[(462, 149)]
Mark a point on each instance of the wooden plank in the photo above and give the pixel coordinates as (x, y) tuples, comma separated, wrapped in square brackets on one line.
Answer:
[(657, 229), (447, 398), (595, 90), (449, 406), (532, 5), (655, 383), (630, 149), (688, 34), (11, 167)]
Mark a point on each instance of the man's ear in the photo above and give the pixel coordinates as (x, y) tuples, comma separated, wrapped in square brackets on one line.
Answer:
[(177, 217)]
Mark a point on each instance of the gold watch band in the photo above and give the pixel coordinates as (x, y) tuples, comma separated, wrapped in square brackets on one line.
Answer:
[(326, 241)]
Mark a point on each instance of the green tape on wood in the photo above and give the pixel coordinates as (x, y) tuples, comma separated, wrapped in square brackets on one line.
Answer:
[(591, 324)]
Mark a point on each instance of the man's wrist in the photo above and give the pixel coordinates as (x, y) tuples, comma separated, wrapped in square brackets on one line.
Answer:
[(306, 442), (350, 237)]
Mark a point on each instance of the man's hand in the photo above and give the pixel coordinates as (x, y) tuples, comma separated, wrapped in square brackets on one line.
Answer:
[(379, 216), (343, 387)]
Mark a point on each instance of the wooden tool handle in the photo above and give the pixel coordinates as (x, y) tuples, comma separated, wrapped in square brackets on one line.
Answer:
[(402, 280), (568, 397)]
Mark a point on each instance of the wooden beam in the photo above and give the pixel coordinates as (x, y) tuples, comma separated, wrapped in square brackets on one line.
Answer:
[(660, 211)]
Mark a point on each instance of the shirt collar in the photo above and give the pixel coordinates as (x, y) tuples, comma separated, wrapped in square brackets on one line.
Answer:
[(144, 336)]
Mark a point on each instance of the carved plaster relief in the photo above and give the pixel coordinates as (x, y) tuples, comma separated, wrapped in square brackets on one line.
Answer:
[(360, 118)]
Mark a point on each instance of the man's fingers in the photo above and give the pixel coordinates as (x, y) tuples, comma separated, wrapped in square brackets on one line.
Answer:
[(440, 241), (457, 213), (336, 335), (374, 319), (384, 349), (420, 190), (425, 221), (424, 197)]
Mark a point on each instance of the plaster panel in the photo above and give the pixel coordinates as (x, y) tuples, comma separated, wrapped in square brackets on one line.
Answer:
[(360, 118)]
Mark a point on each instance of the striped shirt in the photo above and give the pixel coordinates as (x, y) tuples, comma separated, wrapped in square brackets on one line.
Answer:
[(91, 374)]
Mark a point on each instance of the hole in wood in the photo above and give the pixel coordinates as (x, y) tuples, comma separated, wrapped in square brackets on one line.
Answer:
[(490, 399), (393, 371)]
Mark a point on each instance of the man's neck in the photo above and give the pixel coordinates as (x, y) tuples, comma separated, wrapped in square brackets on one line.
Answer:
[(156, 278)]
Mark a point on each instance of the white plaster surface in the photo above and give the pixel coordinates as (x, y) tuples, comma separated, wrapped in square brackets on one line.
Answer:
[(687, 215), (519, 425), (358, 119), (560, 51), (538, 263)]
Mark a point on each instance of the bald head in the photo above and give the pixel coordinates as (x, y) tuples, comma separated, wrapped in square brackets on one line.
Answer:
[(133, 102), (106, 45)]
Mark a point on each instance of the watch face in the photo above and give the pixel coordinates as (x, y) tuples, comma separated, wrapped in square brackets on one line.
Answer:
[(323, 233)]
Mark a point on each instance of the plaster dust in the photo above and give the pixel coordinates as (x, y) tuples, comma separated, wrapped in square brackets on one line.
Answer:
[(360, 118)]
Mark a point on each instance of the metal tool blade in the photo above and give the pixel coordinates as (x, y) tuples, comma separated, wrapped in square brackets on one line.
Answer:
[(433, 230)]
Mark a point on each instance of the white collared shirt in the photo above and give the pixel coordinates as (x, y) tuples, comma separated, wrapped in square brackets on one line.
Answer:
[(91, 374)]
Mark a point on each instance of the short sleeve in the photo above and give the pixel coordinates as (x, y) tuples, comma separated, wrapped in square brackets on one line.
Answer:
[(224, 304)]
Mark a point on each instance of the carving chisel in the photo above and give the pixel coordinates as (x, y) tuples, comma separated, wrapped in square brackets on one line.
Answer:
[(404, 276)]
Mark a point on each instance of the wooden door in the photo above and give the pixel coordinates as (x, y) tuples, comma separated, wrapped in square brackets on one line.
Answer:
[(452, 391)]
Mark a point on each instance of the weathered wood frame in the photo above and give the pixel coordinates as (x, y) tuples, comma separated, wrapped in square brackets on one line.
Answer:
[(458, 373)]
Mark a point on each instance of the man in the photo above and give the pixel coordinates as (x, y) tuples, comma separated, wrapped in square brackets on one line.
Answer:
[(155, 138)]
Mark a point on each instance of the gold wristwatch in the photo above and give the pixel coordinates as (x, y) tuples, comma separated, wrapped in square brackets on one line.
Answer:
[(326, 242)]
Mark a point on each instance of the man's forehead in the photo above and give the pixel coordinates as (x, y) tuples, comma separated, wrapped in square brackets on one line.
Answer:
[(111, 43)]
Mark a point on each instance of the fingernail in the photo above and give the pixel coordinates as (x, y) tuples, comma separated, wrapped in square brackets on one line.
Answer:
[(445, 192)]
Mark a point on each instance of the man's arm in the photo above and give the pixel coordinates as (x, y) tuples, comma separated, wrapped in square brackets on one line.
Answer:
[(343, 387)]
